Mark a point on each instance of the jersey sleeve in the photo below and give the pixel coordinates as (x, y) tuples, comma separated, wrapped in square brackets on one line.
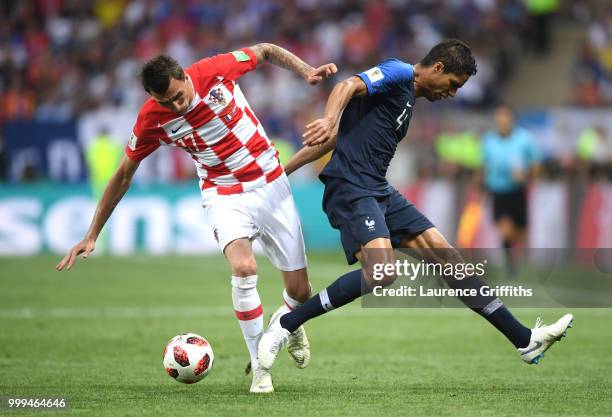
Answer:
[(231, 65), (532, 151), (144, 140), (386, 76)]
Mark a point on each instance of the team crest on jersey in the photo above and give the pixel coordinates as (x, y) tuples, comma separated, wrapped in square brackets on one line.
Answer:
[(370, 224), (216, 96)]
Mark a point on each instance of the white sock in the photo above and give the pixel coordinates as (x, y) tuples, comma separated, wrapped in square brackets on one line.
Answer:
[(249, 312), (291, 303)]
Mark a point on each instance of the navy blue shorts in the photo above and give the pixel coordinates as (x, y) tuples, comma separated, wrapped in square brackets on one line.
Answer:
[(362, 218)]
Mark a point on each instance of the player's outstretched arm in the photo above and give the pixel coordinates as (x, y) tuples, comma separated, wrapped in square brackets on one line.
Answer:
[(321, 135), (308, 154), (113, 193), (323, 130), (281, 57)]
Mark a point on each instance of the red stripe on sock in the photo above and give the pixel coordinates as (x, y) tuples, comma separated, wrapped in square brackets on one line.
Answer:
[(249, 315)]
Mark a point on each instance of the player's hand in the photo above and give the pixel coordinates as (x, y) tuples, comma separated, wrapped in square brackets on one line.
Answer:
[(319, 132), (85, 247), (318, 74)]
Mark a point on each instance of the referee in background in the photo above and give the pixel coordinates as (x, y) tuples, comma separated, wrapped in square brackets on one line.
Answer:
[(510, 159)]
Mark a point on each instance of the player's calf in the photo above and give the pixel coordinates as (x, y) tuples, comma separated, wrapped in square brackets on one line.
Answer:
[(297, 291), (297, 287)]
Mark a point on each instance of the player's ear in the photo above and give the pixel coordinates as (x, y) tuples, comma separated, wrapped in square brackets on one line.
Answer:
[(438, 67)]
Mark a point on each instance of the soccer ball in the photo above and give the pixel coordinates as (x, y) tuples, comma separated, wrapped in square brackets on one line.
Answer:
[(188, 358)]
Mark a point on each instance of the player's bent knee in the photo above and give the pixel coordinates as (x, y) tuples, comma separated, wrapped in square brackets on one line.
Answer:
[(300, 292), (374, 279), (388, 280), (244, 267)]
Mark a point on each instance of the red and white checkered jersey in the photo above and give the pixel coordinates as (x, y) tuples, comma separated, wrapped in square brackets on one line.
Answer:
[(227, 142)]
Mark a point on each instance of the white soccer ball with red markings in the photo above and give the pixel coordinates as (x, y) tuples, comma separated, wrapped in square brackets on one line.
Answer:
[(188, 358)]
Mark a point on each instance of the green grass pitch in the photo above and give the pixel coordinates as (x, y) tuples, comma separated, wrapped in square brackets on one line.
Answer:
[(95, 335)]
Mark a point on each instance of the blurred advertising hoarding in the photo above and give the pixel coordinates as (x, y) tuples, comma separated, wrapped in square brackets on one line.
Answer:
[(157, 219), (49, 150), (164, 219)]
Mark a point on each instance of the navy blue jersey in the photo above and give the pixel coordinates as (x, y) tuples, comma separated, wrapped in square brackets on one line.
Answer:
[(371, 127)]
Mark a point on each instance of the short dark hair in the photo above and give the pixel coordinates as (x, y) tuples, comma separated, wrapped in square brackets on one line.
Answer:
[(454, 54), (156, 73)]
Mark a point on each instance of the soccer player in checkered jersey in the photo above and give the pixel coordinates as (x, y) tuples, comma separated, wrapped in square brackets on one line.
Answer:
[(245, 192)]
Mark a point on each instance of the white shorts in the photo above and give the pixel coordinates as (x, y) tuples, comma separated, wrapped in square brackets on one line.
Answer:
[(266, 214)]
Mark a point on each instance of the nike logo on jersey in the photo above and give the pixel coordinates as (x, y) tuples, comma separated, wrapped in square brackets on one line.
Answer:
[(176, 130)]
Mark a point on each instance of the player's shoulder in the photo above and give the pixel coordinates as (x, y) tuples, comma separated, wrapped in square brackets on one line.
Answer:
[(201, 67), (210, 66), (393, 61), (397, 65), (150, 117), (149, 111), (391, 76)]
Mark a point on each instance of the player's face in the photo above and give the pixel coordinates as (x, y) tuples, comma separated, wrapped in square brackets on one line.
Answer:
[(504, 120), (177, 97), (443, 85)]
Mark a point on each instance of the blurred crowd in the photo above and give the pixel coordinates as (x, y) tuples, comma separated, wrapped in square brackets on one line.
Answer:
[(60, 58), (63, 59), (592, 67), (580, 151)]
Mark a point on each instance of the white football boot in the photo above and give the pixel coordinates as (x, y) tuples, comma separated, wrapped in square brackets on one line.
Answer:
[(272, 341), (543, 337), (299, 347), (297, 344), (262, 382)]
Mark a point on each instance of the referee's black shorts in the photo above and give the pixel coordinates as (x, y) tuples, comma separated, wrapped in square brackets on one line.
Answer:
[(512, 204)]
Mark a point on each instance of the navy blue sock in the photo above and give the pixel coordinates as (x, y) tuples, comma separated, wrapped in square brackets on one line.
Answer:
[(494, 310), (344, 290), (505, 322)]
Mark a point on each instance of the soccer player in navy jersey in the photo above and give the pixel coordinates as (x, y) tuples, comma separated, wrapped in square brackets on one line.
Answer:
[(365, 118)]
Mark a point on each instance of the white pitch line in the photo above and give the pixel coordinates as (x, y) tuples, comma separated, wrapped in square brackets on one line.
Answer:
[(157, 312), (144, 312), (160, 312)]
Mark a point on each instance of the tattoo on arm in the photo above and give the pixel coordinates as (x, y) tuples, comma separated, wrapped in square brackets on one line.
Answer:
[(280, 57)]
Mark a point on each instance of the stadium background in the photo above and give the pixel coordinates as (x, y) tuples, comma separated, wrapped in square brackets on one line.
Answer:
[(69, 94), (69, 75)]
